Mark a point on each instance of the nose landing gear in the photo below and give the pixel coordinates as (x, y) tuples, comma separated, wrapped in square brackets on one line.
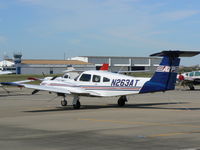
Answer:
[(64, 102), (76, 102)]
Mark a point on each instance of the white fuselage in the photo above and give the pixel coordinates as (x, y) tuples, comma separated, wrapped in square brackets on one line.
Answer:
[(102, 83)]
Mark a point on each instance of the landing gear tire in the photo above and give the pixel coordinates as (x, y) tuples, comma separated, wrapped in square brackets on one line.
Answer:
[(121, 101), (64, 103), (77, 105)]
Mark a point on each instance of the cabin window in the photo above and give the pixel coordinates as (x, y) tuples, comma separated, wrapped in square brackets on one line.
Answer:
[(106, 79), (96, 78), (85, 77)]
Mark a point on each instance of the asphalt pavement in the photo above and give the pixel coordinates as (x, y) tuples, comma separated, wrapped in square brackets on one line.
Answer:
[(167, 121)]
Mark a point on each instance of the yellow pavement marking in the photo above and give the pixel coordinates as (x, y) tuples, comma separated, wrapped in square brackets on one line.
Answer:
[(173, 133), (168, 134), (139, 123), (148, 123)]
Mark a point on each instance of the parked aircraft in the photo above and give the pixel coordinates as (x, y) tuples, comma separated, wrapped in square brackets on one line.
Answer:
[(104, 84), (5, 72)]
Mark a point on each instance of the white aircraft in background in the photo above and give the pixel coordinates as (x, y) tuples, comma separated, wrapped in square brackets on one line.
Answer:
[(5, 72), (106, 84)]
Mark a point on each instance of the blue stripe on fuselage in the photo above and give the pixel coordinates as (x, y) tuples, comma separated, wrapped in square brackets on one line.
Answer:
[(124, 82)]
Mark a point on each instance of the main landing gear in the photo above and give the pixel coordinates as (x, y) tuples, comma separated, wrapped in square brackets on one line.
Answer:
[(76, 103), (121, 101), (64, 102)]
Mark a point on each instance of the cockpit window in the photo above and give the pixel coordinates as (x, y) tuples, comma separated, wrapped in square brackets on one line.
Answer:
[(85, 77), (106, 79), (96, 78)]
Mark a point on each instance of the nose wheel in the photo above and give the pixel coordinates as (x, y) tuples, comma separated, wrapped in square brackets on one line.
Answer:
[(121, 101)]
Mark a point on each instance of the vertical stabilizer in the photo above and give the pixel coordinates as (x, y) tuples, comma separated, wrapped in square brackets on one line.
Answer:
[(165, 76)]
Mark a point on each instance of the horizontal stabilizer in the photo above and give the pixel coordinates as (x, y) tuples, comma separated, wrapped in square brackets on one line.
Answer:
[(177, 53)]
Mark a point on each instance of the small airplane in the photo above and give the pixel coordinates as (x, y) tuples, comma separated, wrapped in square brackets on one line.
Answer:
[(107, 84)]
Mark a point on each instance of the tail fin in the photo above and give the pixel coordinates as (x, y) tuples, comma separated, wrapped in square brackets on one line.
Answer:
[(104, 67), (165, 76)]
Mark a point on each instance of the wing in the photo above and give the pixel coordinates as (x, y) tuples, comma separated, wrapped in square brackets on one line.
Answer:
[(64, 90), (16, 83), (46, 88)]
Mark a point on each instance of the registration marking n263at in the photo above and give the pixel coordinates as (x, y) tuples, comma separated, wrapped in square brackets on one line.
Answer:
[(124, 82)]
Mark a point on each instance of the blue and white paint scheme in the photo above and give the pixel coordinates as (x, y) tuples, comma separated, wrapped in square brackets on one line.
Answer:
[(104, 83)]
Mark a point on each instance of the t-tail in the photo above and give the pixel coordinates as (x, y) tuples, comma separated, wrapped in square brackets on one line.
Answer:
[(165, 76)]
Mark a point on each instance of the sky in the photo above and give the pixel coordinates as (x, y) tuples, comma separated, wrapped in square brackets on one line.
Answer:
[(50, 29)]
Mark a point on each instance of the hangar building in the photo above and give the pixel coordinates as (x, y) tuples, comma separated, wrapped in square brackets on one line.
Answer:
[(121, 63), (52, 66)]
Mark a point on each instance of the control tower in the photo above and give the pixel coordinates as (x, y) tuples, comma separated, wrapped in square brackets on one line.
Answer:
[(17, 60)]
